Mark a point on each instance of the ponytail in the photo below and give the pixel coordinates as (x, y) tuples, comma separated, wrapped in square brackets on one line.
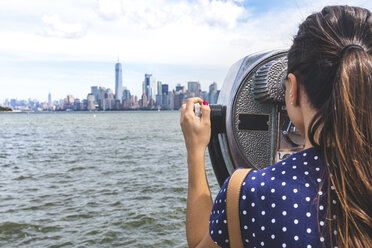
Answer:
[(332, 56), (345, 140)]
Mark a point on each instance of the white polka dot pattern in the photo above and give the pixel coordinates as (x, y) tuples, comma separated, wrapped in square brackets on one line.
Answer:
[(278, 205)]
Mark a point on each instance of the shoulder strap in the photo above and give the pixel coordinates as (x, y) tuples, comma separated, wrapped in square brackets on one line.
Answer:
[(232, 207)]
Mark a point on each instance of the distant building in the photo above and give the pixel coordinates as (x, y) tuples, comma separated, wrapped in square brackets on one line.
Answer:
[(164, 89), (159, 87), (61, 104), (193, 89), (6, 103), (180, 88), (159, 94), (118, 81), (143, 88), (126, 99), (77, 105), (143, 101), (205, 96), (13, 103), (50, 105), (109, 100), (213, 95), (95, 93), (179, 97), (70, 100), (165, 99), (171, 100), (101, 98), (91, 102), (149, 81), (178, 100), (84, 105)]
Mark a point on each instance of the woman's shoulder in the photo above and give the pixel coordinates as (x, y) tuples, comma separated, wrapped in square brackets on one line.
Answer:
[(298, 176), (299, 168)]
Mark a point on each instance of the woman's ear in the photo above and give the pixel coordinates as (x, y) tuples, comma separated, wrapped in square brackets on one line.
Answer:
[(292, 86)]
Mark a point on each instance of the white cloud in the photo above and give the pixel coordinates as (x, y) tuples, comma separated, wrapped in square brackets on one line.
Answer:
[(219, 13), (149, 15), (199, 32), (159, 13), (53, 26), (110, 9)]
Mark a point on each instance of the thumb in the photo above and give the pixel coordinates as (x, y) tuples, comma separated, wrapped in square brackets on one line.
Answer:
[(206, 112)]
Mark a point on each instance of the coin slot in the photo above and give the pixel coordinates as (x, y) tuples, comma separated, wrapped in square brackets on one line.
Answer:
[(253, 122)]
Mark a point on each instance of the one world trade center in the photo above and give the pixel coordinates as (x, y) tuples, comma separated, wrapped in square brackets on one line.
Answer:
[(118, 81)]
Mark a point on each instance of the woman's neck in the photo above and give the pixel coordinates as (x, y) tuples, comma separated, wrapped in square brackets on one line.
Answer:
[(308, 115)]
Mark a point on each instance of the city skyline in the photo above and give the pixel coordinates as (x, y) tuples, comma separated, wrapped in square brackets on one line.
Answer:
[(54, 46), (156, 95), (117, 85), (136, 87)]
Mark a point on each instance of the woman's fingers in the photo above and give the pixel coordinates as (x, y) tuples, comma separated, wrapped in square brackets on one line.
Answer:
[(188, 114), (191, 102), (183, 109), (206, 113)]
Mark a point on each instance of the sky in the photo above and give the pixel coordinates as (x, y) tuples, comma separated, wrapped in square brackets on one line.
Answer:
[(65, 47)]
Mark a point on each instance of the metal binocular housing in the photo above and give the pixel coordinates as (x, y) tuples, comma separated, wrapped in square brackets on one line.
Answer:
[(250, 125)]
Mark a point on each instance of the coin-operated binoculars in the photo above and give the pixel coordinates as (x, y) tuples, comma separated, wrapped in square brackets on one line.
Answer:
[(250, 125)]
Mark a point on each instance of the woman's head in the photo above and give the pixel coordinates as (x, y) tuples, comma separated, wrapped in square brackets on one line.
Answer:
[(331, 59), (318, 50)]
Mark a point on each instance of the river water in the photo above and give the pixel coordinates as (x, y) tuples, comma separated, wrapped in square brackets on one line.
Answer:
[(104, 179)]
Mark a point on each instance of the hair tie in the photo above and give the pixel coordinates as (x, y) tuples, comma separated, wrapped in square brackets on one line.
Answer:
[(351, 46)]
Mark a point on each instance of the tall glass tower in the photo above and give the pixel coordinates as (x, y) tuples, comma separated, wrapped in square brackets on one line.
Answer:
[(148, 86), (118, 81), (49, 101)]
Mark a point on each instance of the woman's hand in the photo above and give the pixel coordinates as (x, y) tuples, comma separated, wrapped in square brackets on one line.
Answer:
[(196, 131)]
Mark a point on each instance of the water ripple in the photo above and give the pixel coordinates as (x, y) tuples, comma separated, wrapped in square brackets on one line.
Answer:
[(71, 180)]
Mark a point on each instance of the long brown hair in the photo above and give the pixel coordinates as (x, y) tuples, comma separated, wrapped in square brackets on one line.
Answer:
[(331, 56)]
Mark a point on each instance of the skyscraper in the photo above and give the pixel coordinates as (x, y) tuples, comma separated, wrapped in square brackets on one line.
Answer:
[(91, 102), (164, 89), (180, 88), (212, 95), (101, 96), (118, 81), (159, 83), (193, 89), (49, 101), (126, 98), (148, 86), (95, 93), (109, 100), (158, 95), (70, 100), (164, 96)]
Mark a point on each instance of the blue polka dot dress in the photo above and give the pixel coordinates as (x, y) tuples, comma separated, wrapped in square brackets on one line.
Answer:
[(283, 205)]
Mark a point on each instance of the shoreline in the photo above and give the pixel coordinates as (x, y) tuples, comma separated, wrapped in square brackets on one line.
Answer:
[(83, 111)]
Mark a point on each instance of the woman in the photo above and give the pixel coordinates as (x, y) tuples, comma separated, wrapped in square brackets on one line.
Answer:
[(321, 196)]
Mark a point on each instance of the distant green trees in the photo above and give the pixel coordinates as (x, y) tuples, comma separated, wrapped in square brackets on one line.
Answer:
[(2, 109)]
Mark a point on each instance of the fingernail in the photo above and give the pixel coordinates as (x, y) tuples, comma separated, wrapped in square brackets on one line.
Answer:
[(205, 103)]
